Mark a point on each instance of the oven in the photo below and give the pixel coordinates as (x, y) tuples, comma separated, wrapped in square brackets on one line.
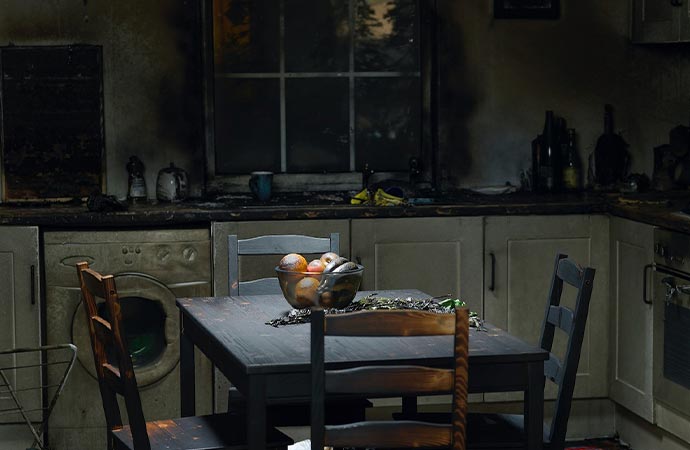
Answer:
[(671, 306)]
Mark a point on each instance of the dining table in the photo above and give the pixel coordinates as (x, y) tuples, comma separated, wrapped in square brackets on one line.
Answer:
[(266, 362)]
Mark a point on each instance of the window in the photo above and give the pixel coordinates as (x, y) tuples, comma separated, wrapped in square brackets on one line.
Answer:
[(314, 86)]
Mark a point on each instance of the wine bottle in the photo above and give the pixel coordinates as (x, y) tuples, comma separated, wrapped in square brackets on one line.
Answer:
[(547, 160), (610, 154), (571, 166)]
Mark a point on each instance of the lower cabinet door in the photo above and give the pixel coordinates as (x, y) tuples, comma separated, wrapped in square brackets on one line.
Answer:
[(519, 255), (20, 294)]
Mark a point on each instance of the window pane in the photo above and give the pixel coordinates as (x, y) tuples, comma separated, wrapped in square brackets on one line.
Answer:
[(386, 35), (387, 125), (247, 125), (317, 125), (317, 35), (246, 35)]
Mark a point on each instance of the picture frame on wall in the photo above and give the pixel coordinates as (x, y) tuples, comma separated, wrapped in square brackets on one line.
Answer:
[(527, 9)]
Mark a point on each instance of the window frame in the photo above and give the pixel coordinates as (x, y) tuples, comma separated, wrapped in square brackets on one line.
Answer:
[(332, 181)]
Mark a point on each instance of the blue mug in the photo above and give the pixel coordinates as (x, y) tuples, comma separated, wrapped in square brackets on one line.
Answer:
[(260, 183)]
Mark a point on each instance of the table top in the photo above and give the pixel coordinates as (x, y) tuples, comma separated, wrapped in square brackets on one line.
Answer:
[(238, 325)]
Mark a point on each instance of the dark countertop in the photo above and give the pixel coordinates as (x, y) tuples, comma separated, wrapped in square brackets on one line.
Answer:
[(653, 208)]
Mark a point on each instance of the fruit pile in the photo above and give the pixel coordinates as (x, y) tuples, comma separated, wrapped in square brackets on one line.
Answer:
[(322, 281)]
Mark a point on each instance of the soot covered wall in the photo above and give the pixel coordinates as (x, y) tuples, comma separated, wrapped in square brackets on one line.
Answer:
[(151, 66)]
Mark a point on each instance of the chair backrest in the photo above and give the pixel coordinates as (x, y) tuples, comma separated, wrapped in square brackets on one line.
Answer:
[(276, 244), (391, 380), (111, 355), (572, 322)]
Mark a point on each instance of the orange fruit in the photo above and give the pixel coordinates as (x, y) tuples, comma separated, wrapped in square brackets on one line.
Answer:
[(293, 262), (305, 291), (316, 266), (328, 257)]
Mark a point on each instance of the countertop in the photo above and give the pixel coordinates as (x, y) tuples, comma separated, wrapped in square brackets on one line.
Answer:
[(659, 209)]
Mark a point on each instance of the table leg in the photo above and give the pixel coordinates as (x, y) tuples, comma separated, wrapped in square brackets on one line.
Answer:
[(256, 413), (534, 406), (187, 382)]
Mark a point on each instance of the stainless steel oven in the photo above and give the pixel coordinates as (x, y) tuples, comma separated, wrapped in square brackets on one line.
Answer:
[(672, 331)]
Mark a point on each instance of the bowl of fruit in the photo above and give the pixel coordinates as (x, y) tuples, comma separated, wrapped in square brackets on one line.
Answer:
[(330, 281)]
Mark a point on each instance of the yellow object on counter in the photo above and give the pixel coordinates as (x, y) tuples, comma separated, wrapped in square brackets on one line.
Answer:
[(382, 198), (361, 198)]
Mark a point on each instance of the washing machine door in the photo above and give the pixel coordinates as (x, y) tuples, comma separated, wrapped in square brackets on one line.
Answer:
[(151, 327)]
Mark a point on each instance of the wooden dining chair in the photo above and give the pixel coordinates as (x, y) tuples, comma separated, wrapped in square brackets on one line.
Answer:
[(507, 430), (497, 430), (389, 380), (274, 244), (116, 377), (285, 411)]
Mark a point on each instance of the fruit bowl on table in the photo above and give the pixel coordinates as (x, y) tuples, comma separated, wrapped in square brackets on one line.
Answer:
[(335, 289)]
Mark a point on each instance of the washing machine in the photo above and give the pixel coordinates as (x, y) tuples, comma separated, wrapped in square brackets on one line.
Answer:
[(151, 268)]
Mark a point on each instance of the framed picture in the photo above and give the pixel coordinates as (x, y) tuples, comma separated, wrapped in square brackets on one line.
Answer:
[(526, 9)]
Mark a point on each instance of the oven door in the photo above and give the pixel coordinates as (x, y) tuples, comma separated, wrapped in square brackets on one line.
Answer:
[(672, 339)]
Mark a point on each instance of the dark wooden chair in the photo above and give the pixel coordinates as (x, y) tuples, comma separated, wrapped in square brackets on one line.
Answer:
[(390, 380), (290, 411), (507, 430), (116, 377)]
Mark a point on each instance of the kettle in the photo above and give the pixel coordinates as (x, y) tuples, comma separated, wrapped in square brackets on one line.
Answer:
[(171, 185)]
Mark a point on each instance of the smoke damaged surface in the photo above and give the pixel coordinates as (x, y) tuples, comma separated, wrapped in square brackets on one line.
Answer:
[(52, 121)]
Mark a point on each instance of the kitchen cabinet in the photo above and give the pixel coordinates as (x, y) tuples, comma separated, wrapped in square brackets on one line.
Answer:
[(437, 255), (20, 293), (631, 318), (519, 258), (659, 21)]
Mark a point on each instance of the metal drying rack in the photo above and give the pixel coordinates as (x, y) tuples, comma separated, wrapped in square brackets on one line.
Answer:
[(24, 367)]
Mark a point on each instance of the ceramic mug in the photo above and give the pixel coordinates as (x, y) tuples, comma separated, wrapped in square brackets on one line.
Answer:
[(260, 183)]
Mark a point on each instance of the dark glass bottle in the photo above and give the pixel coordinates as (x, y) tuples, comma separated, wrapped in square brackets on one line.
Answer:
[(537, 185), (571, 164), (548, 161)]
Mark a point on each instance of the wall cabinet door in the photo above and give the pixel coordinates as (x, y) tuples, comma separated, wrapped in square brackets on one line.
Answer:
[(657, 21), (20, 319), (632, 247), (437, 255), (520, 253)]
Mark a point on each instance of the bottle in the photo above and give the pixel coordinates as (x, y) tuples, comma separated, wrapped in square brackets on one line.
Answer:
[(137, 184), (571, 167), (536, 155), (611, 155), (548, 160)]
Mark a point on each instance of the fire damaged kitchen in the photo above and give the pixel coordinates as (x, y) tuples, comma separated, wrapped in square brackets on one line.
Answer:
[(309, 224)]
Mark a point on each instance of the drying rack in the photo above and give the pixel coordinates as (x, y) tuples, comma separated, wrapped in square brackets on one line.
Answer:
[(60, 358)]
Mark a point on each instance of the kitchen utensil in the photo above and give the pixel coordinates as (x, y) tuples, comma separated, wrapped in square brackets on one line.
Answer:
[(171, 185)]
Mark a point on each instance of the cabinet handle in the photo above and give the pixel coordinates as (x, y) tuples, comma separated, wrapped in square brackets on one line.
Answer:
[(33, 285), (676, 2), (645, 277), (492, 282)]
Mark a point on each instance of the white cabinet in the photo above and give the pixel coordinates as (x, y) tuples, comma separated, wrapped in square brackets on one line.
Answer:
[(19, 303), (631, 318), (658, 21), (437, 255), (519, 255)]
